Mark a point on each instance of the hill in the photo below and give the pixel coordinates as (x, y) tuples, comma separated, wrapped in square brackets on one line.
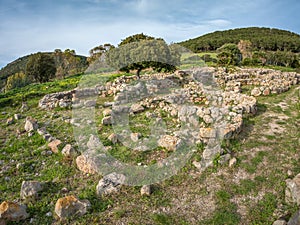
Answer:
[(268, 39), (20, 65)]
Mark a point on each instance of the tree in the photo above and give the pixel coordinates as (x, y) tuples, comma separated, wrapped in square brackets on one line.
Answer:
[(16, 81), (229, 54), (139, 52), (41, 67), (98, 51)]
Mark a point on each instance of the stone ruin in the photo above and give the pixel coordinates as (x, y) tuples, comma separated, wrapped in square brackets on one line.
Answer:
[(207, 103)]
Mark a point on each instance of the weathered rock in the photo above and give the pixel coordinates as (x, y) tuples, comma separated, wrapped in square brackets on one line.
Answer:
[(280, 222), (295, 220), (53, 145), (10, 121), (10, 211), (137, 108), (110, 184), (146, 190), (107, 120), (256, 92), (113, 138), (30, 189), (70, 206), (232, 162), (69, 152), (93, 142), (107, 112), (31, 124), (86, 165), (207, 132), (292, 192), (169, 142), (135, 137)]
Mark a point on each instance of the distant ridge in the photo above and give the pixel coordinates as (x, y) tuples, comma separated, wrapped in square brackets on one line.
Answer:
[(268, 39)]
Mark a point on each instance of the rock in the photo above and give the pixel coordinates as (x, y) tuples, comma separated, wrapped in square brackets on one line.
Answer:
[(292, 191), (70, 206), (113, 138), (146, 190), (232, 162), (24, 107), (295, 220), (10, 121), (280, 222), (266, 92), (93, 142), (53, 145), (137, 108), (135, 137), (107, 120), (49, 214), (107, 112), (207, 132), (169, 142), (86, 165), (224, 159), (69, 152), (90, 103), (31, 124), (10, 211), (256, 92), (110, 184), (30, 189), (197, 165)]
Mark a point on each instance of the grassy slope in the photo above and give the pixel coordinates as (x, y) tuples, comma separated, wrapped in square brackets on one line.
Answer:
[(246, 194)]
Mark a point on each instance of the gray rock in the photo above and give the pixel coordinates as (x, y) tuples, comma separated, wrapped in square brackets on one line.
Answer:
[(30, 189), (110, 184), (295, 220), (70, 206), (69, 152), (137, 108), (31, 124), (280, 222), (146, 190), (113, 138), (93, 142), (292, 192), (10, 211), (107, 120)]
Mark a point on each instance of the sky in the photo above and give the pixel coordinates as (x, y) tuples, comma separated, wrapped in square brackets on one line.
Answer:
[(29, 26)]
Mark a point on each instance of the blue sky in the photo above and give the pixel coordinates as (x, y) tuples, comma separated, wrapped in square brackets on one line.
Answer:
[(28, 26)]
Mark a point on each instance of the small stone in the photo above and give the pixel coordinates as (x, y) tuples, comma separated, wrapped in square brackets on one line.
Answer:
[(232, 162), (137, 108), (107, 112), (53, 145), (17, 116), (197, 165), (30, 189), (30, 124), (49, 214), (70, 206), (11, 211), (110, 184), (135, 137), (292, 191), (69, 152), (256, 92), (107, 120), (113, 138), (146, 190), (10, 121), (93, 142), (169, 142)]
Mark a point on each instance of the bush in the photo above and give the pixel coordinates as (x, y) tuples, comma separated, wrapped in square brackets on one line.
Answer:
[(16, 81)]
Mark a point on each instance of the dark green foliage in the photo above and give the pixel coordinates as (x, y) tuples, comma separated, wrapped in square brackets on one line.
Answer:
[(261, 38), (41, 67), (229, 54), (139, 52)]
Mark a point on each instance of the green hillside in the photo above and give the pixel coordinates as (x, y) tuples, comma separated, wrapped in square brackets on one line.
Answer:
[(267, 39), (20, 65)]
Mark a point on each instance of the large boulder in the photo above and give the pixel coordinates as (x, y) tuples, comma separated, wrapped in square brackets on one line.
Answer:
[(10, 211), (70, 206)]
